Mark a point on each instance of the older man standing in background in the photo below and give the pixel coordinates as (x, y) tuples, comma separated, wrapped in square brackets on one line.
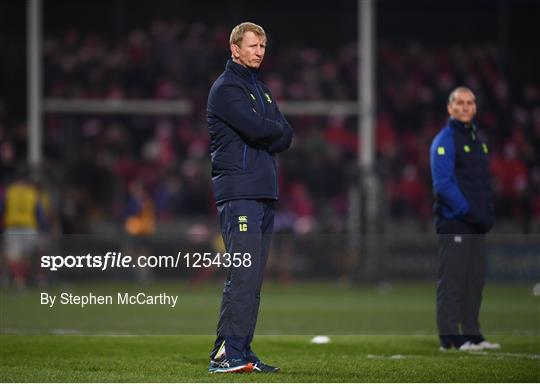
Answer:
[(464, 214)]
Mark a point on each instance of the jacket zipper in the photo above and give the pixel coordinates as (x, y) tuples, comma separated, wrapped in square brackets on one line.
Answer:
[(257, 90), (244, 158), (275, 177), (264, 111)]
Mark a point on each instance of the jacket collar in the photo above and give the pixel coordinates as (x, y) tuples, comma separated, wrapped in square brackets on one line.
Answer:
[(462, 126), (246, 73)]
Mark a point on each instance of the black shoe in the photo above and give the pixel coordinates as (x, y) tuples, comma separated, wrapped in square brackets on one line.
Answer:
[(260, 367), (448, 342)]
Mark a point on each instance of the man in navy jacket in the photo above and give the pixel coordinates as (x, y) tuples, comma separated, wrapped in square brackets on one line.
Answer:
[(247, 130), (464, 214)]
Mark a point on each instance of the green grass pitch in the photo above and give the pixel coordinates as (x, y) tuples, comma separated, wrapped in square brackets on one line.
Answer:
[(378, 335)]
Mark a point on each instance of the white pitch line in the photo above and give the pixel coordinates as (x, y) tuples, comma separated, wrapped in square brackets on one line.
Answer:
[(73, 332), (496, 355), (531, 356), (393, 357)]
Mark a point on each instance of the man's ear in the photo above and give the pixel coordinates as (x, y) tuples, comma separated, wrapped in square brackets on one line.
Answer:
[(235, 50)]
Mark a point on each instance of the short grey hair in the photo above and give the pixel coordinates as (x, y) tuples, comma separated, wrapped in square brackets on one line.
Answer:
[(459, 89)]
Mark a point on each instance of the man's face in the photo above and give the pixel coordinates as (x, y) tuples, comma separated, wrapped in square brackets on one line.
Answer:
[(250, 51), (463, 107)]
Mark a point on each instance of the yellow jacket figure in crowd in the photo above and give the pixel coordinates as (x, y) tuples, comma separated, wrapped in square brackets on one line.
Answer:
[(23, 217)]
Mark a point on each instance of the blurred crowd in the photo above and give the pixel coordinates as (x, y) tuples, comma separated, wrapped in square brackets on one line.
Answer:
[(94, 163)]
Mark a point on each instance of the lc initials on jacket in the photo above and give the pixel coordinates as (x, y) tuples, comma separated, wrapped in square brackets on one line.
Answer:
[(461, 178), (246, 130)]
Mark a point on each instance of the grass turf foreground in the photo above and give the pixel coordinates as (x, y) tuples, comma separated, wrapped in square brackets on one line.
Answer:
[(55, 358)]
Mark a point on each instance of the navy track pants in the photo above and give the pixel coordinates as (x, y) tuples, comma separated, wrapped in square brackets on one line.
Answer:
[(246, 227), (461, 279)]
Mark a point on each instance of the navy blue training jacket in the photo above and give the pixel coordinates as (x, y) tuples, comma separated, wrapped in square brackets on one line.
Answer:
[(461, 178), (246, 130)]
